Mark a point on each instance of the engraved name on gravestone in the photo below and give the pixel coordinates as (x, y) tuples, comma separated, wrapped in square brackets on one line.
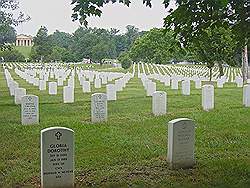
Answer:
[(181, 141), (99, 107), (57, 158), (30, 110)]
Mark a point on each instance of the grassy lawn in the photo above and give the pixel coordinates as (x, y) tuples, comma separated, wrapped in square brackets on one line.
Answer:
[(131, 148), (25, 50)]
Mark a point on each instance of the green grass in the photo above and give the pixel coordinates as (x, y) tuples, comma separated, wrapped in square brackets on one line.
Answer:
[(130, 149), (25, 50)]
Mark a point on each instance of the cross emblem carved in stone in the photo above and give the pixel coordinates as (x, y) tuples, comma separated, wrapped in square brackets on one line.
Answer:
[(58, 135)]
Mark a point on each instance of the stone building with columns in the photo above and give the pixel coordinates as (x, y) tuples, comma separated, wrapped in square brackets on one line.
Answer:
[(24, 40)]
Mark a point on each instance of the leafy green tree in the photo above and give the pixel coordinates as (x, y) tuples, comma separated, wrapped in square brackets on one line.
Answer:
[(12, 55), (60, 39), (42, 45), (7, 21), (190, 19), (216, 46), (7, 35), (156, 47), (57, 53)]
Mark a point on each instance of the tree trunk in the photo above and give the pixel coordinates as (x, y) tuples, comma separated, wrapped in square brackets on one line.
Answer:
[(221, 70), (245, 64), (210, 73)]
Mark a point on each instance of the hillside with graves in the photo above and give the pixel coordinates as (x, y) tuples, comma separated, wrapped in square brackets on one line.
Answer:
[(152, 125)]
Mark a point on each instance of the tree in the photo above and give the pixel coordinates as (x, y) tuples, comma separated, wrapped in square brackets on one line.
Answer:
[(12, 55), (216, 46), (125, 60), (190, 19), (157, 47), (7, 21), (7, 35), (60, 39), (42, 46)]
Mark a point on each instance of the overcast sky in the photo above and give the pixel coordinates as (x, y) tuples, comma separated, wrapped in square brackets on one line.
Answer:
[(56, 15)]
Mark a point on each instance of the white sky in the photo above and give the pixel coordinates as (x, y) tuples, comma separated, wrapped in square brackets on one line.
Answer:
[(56, 15)]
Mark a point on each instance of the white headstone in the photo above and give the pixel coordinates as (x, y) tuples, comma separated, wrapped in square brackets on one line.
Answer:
[(30, 110), (68, 94), (181, 143), (52, 88), (246, 95), (86, 87), (151, 88), (208, 97), (111, 92), (57, 158), (198, 84), (19, 93), (60, 81), (99, 111), (220, 83), (174, 84), (98, 83), (186, 87), (159, 103), (42, 85)]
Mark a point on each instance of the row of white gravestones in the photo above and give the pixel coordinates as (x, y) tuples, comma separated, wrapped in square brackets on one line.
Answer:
[(246, 95), (58, 151)]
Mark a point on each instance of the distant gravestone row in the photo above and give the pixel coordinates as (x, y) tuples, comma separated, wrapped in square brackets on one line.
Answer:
[(99, 107)]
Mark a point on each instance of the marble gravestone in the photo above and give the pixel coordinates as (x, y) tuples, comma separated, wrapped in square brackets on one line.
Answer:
[(86, 87), (246, 95), (111, 92), (60, 81), (97, 83), (185, 87), (159, 103), (52, 88), (151, 88), (198, 84), (30, 110), (181, 143), (208, 97), (42, 85), (19, 93), (99, 111), (174, 84), (68, 94), (57, 158)]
